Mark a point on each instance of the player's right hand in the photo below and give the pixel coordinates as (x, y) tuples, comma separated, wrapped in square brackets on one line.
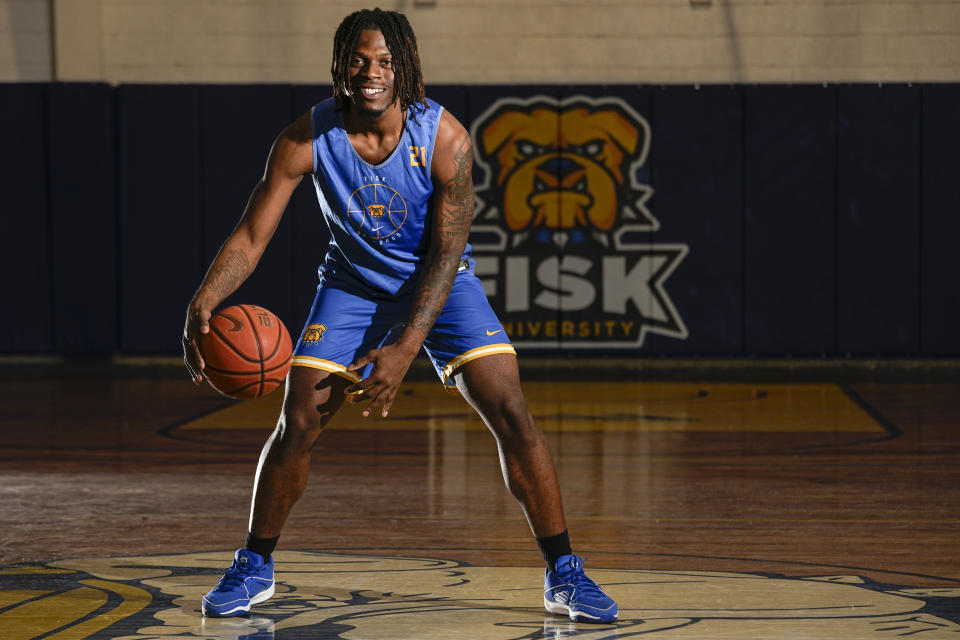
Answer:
[(198, 321), (390, 364)]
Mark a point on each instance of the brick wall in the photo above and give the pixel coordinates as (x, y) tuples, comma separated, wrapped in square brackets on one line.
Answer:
[(494, 41), (25, 45)]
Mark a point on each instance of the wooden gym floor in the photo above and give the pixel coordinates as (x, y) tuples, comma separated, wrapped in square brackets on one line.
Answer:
[(710, 504)]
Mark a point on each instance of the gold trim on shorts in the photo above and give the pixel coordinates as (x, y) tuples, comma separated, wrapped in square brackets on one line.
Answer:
[(325, 365), (473, 354)]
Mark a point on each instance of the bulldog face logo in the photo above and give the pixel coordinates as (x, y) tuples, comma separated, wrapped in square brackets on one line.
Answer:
[(564, 171), (314, 333), (561, 227)]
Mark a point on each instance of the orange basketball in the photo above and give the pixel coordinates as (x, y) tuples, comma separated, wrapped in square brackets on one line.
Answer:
[(247, 352)]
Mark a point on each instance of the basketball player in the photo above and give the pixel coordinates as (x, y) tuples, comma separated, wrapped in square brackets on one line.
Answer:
[(392, 172)]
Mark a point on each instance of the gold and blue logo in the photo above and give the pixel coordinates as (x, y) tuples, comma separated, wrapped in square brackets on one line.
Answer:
[(378, 212), (314, 333), (561, 231)]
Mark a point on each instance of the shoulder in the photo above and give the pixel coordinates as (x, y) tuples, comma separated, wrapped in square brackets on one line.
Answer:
[(323, 116), (449, 128), (453, 146), (292, 152)]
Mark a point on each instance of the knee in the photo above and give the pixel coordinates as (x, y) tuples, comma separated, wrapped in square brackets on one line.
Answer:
[(299, 429), (513, 423)]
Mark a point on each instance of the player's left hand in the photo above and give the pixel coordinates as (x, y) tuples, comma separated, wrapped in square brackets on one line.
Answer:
[(197, 323), (390, 364)]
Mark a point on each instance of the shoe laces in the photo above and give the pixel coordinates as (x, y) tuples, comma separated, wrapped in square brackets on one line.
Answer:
[(580, 580), (233, 577)]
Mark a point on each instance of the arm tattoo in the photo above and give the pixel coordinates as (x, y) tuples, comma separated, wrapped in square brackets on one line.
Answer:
[(457, 206), (227, 272), (454, 216)]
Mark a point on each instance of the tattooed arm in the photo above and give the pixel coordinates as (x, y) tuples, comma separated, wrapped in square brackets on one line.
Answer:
[(452, 168), (290, 158), (453, 173)]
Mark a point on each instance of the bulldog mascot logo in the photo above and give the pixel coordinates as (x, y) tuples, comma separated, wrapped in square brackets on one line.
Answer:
[(314, 333), (561, 224)]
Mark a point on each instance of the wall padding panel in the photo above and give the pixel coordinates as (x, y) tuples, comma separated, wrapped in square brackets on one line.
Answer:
[(789, 236), (878, 221), (81, 122), (27, 324), (158, 152), (697, 163), (940, 267)]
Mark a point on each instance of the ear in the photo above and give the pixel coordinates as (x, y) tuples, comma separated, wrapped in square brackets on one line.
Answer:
[(620, 130), (501, 130)]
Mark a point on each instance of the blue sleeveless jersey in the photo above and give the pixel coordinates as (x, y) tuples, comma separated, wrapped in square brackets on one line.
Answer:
[(378, 215)]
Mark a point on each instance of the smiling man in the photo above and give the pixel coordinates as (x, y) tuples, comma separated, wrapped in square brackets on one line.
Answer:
[(392, 172)]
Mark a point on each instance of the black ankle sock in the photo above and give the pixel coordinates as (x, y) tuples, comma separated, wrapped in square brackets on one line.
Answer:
[(263, 546), (552, 547)]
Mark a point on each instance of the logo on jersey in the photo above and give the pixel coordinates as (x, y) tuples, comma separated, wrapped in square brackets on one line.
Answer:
[(378, 212), (314, 333), (561, 228)]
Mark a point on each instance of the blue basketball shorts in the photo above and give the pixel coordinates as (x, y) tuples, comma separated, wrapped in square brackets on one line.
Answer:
[(343, 326)]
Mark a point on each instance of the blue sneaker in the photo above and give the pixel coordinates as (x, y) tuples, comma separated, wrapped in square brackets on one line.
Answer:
[(568, 591), (248, 581)]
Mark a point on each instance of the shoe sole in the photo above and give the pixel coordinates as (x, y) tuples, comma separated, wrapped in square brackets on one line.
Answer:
[(266, 594), (563, 610)]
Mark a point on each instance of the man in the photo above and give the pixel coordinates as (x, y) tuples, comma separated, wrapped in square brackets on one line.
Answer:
[(392, 171)]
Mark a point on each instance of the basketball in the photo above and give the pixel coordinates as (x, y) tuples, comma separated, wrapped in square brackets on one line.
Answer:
[(247, 352)]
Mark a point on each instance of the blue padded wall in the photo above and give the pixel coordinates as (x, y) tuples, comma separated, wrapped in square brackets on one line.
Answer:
[(815, 221), (27, 325), (160, 226), (789, 239), (878, 220), (80, 138), (696, 172), (940, 266)]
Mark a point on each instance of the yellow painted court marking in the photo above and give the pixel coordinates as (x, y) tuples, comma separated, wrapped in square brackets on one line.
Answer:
[(31, 570), (42, 616), (67, 610), (133, 600), (9, 597), (598, 406)]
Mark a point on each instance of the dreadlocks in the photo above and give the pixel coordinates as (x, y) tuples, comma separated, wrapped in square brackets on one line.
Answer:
[(408, 80)]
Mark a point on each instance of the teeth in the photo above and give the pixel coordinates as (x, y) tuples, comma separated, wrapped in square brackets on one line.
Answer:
[(371, 92)]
